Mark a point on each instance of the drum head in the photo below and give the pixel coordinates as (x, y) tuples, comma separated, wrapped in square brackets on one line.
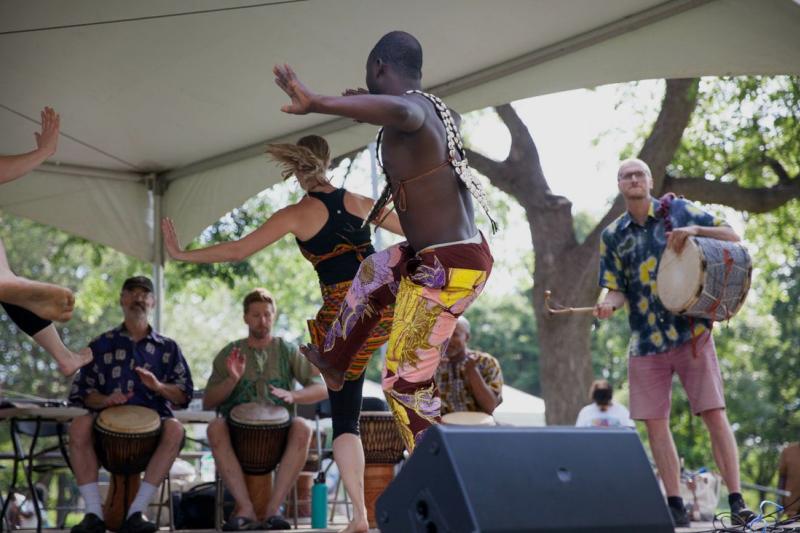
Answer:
[(255, 414), (132, 419), (468, 418), (680, 277)]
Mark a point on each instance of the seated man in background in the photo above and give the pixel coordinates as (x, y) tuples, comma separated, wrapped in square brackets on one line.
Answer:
[(260, 368), (603, 412), (468, 380), (134, 365)]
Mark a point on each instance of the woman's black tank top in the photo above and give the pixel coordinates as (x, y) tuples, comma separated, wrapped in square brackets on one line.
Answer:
[(337, 250)]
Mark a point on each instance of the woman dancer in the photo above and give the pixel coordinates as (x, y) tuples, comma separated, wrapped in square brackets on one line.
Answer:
[(327, 226)]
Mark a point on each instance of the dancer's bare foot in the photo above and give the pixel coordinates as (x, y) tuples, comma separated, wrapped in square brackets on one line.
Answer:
[(334, 379), (46, 300), (356, 526), (74, 361)]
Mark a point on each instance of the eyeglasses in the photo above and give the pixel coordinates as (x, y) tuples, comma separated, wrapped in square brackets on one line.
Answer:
[(638, 174)]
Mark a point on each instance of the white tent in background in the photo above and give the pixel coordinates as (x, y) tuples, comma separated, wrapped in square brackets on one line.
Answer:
[(166, 106), (518, 408)]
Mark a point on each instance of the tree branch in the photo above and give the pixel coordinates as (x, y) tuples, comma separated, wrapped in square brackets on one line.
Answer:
[(489, 168), (754, 200), (336, 161), (778, 169), (523, 148), (680, 99)]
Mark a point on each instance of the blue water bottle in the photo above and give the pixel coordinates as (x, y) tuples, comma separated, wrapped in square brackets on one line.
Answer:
[(319, 503)]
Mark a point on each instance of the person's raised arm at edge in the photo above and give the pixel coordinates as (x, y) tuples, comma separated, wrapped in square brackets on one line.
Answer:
[(400, 112)]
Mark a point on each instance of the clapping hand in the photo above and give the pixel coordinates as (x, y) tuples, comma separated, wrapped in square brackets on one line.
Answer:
[(235, 363), (149, 379), (117, 398)]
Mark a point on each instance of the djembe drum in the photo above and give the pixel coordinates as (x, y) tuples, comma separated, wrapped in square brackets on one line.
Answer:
[(125, 438), (468, 418), (383, 449), (258, 435), (708, 279)]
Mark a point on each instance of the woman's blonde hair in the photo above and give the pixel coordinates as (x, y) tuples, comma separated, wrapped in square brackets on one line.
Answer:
[(307, 160)]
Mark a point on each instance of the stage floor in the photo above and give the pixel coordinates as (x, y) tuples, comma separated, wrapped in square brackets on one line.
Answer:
[(696, 527)]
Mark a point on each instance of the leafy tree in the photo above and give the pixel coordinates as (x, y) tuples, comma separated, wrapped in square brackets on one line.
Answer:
[(738, 149)]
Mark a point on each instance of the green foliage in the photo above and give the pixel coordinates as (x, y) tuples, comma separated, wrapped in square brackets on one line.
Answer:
[(739, 125), (204, 310), (40, 252), (744, 130), (747, 130), (505, 328)]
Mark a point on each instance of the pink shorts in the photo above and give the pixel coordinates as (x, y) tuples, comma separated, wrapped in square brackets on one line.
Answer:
[(650, 379)]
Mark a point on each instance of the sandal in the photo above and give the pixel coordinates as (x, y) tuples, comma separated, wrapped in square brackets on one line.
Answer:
[(276, 523), (240, 523)]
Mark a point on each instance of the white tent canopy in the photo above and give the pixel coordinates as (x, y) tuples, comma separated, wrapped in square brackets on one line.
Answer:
[(166, 106)]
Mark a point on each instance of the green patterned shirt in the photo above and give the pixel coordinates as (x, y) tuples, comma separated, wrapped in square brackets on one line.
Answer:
[(279, 364)]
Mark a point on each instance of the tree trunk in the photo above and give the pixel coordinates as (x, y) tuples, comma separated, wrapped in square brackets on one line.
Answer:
[(562, 265)]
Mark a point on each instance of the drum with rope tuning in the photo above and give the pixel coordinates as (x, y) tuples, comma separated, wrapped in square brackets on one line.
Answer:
[(383, 449), (709, 279)]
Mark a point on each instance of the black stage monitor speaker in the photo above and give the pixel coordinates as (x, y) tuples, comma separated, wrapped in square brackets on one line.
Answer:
[(548, 480)]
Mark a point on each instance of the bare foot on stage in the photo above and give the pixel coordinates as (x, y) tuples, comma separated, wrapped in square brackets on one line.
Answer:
[(334, 379), (69, 365), (356, 526), (46, 300)]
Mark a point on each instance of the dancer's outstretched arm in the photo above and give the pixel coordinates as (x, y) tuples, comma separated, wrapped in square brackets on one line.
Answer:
[(282, 222), (400, 112), (15, 166)]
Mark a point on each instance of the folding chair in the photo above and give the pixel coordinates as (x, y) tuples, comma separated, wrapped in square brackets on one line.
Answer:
[(36, 461)]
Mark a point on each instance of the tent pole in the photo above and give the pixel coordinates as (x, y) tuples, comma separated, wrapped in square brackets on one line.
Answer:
[(376, 190), (157, 198)]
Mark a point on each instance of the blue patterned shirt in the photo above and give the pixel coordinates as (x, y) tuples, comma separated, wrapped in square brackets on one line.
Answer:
[(115, 357), (629, 256)]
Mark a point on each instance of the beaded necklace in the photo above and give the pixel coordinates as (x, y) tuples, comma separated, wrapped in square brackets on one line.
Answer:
[(456, 157)]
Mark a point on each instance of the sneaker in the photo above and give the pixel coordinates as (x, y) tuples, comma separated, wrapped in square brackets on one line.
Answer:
[(741, 515), (91, 523), (680, 518), (137, 523)]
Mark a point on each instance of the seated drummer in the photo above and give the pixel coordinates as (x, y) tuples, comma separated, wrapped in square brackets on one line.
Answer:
[(261, 368), (468, 380), (133, 365)]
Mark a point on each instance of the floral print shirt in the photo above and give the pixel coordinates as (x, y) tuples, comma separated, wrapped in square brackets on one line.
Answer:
[(629, 257)]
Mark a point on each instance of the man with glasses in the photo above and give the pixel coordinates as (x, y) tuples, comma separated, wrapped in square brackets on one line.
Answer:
[(663, 343)]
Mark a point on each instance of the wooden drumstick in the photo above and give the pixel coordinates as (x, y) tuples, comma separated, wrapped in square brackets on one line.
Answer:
[(564, 310)]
